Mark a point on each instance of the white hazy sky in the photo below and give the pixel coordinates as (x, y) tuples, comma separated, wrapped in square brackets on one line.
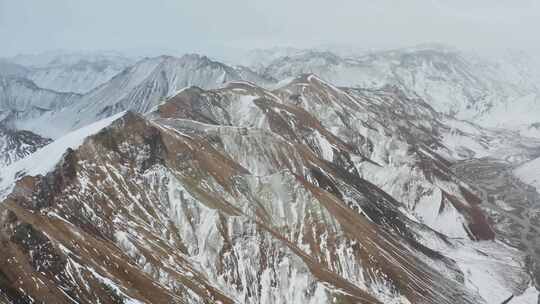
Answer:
[(213, 26)]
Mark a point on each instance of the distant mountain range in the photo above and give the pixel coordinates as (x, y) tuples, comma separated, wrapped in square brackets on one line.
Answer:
[(501, 91)]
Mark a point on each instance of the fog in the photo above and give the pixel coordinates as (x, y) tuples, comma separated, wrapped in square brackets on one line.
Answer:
[(221, 27)]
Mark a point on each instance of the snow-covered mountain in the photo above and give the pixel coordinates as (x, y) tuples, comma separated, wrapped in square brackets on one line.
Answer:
[(16, 145), (79, 77), (10, 69), (71, 71), (260, 58), (306, 194), (64, 58), (497, 91), (500, 91), (529, 173), (22, 101), (139, 88), (183, 179)]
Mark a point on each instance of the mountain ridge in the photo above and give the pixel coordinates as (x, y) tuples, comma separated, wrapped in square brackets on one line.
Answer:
[(161, 188), (229, 176)]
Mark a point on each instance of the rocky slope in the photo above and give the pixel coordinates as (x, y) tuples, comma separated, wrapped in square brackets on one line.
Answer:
[(138, 88), (501, 91), (305, 194), (513, 205)]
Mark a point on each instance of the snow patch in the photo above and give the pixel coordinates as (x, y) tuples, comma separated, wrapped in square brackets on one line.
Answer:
[(530, 173)]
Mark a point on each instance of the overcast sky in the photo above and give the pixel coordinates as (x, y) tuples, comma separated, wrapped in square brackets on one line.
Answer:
[(213, 26)]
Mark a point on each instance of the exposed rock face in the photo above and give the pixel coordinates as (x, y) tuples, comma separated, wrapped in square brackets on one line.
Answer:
[(305, 194)]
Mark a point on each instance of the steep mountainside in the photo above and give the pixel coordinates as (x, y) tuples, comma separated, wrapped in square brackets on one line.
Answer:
[(137, 88), (513, 205), (22, 104), (305, 194), (502, 91)]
